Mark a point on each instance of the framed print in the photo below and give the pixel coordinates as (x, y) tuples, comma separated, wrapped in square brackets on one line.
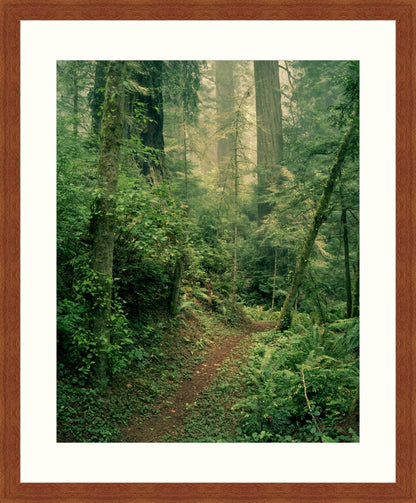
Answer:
[(50, 50)]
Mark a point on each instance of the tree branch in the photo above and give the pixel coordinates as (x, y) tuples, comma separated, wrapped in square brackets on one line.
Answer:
[(309, 403)]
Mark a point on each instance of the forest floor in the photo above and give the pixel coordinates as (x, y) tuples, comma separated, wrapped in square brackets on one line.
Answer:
[(173, 410)]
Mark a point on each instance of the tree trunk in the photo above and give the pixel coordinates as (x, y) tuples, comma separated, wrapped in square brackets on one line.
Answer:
[(179, 265), (236, 180), (269, 130), (153, 166), (185, 154), (321, 311), (346, 262), (356, 295), (103, 219), (224, 86), (274, 277), (96, 97), (176, 287), (320, 216), (75, 102)]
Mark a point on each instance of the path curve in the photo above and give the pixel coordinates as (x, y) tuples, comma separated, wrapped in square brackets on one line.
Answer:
[(170, 415)]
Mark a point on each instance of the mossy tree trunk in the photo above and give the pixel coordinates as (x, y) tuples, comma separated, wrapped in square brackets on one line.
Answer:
[(285, 318), (103, 217), (176, 286)]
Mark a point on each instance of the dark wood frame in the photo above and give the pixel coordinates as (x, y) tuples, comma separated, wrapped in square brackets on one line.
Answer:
[(12, 12)]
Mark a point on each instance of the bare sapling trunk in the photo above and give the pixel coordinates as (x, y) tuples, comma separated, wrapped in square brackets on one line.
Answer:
[(320, 216), (274, 277), (185, 152), (348, 292), (356, 295), (236, 174), (174, 303)]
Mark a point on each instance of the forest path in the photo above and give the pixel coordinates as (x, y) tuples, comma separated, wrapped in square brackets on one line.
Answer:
[(173, 410)]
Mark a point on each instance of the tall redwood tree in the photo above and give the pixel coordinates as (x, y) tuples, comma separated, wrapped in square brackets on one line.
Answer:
[(269, 130)]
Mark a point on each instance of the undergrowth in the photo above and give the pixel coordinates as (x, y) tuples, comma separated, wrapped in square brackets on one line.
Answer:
[(303, 384), (299, 386), (168, 349)]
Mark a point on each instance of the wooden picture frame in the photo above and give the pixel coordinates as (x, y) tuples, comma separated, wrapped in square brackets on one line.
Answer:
[(403, 12)]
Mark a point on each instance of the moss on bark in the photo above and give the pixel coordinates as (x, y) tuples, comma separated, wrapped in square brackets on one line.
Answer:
[(103, 218), (320, 216)]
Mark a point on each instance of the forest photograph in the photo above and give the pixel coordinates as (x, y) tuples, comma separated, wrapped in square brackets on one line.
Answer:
[(208, 218)]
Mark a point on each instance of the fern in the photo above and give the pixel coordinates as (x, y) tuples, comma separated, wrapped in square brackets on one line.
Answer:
[(275, 407)]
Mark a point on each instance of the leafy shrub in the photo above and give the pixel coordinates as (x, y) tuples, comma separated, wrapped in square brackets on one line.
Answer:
[(77, 345)]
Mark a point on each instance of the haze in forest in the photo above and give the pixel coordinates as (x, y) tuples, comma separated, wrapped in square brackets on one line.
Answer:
[(200, 202)]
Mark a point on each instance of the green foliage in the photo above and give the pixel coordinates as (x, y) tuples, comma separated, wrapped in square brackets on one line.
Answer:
[(182, 83), (77, 346), (135, 152), (321, 96), (189, 217), (168, 348), (149, 221), (148, 235), (310, 359), (88, 414), (259, 313), (149, 240), (349, 79)]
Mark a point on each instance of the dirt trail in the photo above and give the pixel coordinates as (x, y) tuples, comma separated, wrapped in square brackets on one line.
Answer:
[(171, 415)]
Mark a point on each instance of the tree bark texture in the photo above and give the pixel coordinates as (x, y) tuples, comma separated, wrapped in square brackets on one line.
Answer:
[(285, 318), (103, 219), (224, 85), (356, 294), (174, 303), (269, 130), (236, 189), (346, 262), (176, 286), (185, 153), (75, 102), (274, 277)]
